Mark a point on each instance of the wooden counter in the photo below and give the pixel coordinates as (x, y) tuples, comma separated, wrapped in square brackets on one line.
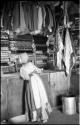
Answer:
[(12, 87)]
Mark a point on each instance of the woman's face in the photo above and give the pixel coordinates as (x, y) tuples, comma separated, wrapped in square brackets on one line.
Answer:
[(23, 58)]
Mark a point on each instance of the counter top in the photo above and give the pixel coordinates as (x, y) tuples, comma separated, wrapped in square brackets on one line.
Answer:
[(18, 75)]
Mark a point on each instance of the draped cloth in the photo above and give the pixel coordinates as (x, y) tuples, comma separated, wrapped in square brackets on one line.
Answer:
[(67, 51), (28, 71), (59, 53)]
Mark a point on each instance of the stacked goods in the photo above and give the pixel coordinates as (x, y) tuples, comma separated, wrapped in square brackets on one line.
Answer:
[(75, 35), (8, 69), (20, 45), (5, 52), (4, 35), (40, 42), (75, 32), (40, 59), (41, 48), (5, 55), (76, 24), (31, 57)]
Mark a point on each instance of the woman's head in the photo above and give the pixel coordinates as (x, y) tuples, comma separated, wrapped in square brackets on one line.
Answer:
[(23, 58)]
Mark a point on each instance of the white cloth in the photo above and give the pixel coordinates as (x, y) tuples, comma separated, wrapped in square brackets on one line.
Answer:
[(34, 84), (59, 53), (40, 96), (67, 51)]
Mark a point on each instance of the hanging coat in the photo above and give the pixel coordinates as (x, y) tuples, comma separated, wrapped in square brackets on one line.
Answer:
[(67, 51)]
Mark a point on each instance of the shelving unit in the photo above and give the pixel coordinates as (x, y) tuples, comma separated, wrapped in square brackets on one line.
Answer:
[(76, 38), (35, 47)]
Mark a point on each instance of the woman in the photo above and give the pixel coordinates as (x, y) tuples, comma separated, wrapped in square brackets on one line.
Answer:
[(36, 99)]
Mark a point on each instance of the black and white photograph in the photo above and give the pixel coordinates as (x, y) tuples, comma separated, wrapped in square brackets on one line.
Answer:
[(40, 62)]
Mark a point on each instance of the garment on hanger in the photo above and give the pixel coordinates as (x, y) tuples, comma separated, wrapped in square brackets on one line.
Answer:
[(47, 16), (40, 18), (44, 15), (7, 15), (16, 16), (22, 20), (26, 15), (52, 9), (31, 17), (51, 19), (35, 19)]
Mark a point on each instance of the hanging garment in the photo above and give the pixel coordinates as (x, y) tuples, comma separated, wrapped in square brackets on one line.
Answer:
[(7, 15), (35, 19), (2, 18), (47, 16), (22, 20), (52, 9), (59, 53), (26, 15), (51, 20), (67, 51), (31, 17), (16, 16), (40, 18), (44, 15)]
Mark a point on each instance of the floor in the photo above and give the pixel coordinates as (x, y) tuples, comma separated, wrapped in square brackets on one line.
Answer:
[(58, 117)]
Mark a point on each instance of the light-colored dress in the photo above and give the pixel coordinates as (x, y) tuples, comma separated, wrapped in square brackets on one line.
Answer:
[(28, 71)]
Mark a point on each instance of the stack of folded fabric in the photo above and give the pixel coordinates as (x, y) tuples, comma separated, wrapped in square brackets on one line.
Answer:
[(4, 35), (20, 45), (75, 28), (75, 34), (40, 59), (5, 52)]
